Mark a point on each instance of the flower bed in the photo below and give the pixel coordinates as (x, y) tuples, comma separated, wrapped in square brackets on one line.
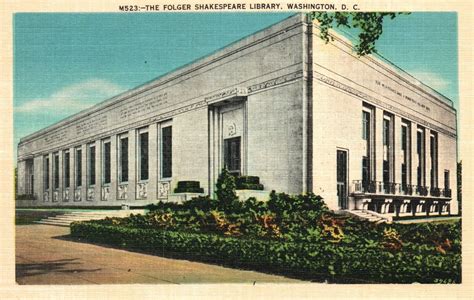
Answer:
[(294, 235)]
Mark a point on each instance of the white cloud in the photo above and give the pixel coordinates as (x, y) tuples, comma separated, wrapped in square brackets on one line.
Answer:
[(72, 98), (431, 79)]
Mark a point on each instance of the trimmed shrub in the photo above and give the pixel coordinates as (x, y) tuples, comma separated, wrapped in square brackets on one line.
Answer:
[(281, 203), (250, 186), (247, 179), (189, 190), (188, 187), (188, 184), (248, 183)]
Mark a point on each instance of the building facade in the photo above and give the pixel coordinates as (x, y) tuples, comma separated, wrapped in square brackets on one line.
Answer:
[(281, 104)]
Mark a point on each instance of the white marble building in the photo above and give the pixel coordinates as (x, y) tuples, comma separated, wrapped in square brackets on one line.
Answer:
[(281, 104)]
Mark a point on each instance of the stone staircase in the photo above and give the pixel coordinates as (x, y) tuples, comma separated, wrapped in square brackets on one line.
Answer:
[(66, 219), (370, 216)]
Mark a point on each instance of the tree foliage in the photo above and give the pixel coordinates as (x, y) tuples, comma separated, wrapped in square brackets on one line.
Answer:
[(225, 190), (370, 25)]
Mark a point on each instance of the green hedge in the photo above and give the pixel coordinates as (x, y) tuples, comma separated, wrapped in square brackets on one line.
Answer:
[(188, 184), (250, 186), (247, 179), (189, 190), (248, 183), (359, 262)]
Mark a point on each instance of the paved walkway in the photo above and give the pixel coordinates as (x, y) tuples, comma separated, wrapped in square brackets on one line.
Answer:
[(44, 255)]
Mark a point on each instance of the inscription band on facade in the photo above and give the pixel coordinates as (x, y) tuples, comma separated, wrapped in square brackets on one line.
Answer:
[(334, 83)]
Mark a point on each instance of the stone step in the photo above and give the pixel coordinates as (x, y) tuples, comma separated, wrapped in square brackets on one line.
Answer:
[(116, 214), (54, 223), (96, 214), (58, 221), (75, 216), (367, 216), (88, 216)]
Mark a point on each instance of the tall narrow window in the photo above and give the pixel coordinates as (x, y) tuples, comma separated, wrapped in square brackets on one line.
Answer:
[(91, 165), (387, 153), (56, 171), (434, 160), (420, 151), (123, 159), (78, 164), (143, 155), (166, 149), (106, 162), (66, 169), (365, 125), (46, 172), (405, 147), (341, 178), (29, 176), (367, 136), (232, 155), (446, 179)]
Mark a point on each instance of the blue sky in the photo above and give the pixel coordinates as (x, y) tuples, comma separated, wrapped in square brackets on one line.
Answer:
[(64, 63)]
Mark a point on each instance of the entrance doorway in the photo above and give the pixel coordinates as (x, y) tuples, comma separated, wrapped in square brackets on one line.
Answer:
[(342, 190), (232, 155)]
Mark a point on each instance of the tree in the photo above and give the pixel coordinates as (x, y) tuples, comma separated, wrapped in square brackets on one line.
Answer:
[(225, 190), (369, 24)]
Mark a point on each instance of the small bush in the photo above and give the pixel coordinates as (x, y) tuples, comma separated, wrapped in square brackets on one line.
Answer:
[(189, 190), (188, 184), (247, 179), (282, 203), (248, 183)]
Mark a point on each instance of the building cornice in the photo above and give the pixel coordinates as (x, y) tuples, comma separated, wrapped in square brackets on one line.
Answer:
[(394, 70), (220, 54), (238, 91)]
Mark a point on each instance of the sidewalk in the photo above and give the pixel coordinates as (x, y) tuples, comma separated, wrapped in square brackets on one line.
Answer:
[(44, 255)]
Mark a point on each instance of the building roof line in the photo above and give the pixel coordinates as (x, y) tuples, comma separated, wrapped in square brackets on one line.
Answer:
[(150, 84), (402, 74)]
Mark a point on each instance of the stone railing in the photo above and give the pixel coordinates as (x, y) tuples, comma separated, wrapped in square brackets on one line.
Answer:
[(397, 189), (400, 207)]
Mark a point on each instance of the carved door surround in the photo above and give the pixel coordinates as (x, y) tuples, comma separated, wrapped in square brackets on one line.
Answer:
[(227, 120)]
